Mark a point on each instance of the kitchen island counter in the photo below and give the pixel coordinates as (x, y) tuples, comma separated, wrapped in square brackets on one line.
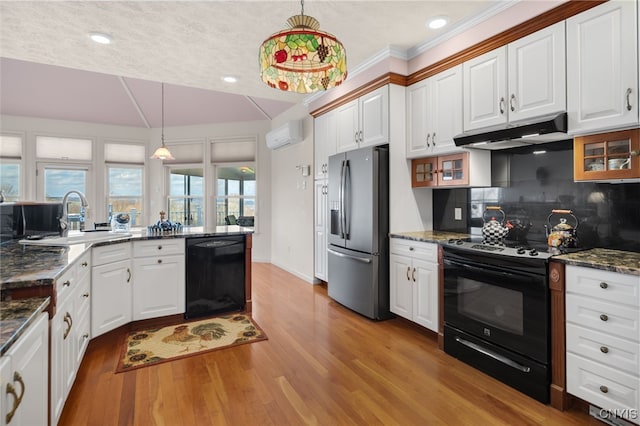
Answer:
[(624, 262), (35, 266), (15, 318)]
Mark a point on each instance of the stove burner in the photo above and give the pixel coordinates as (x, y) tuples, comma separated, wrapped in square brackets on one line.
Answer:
[(500, 247)]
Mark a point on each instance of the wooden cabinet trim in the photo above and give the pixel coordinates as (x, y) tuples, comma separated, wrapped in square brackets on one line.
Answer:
[(558, 393), (555, 15)]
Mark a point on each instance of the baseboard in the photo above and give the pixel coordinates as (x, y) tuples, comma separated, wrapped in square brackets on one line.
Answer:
[(308, 279)]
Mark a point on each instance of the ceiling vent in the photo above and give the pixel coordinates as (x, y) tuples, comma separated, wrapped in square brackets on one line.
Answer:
[(288, 134)]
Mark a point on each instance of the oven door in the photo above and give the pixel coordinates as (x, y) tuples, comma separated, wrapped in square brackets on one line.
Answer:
[(506, 307)]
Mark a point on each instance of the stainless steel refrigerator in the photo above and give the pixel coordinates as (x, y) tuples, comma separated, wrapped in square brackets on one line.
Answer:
[(358, 275)]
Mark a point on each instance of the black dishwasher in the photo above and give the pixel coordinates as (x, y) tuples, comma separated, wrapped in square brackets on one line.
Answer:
[(215, 275)]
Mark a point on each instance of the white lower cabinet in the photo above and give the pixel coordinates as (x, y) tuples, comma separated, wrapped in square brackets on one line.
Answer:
[(414, 281), (70, 331), (603, 339), (159, 271), (24, 372), (111, 282)]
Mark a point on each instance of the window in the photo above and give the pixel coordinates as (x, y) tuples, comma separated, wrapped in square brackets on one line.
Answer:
[(10, 167), (235, 194), (56, 180), (124, 192), (185, 202), (68, 168), (235, 189), (125, 180)]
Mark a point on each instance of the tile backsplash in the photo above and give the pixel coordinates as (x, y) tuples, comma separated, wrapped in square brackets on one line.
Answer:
[(529, 186)]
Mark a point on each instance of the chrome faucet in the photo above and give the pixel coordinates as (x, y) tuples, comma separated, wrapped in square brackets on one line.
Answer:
[(64, 220)]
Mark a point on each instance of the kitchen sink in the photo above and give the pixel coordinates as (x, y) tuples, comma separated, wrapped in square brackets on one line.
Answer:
[(77, 237)]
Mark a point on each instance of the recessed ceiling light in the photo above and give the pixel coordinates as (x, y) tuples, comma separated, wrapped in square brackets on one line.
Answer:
[(101, 38), (437, 22), (229, 79)]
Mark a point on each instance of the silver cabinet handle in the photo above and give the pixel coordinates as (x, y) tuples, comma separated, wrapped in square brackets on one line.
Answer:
[(413, 275), (361, 135), (428, 136), (511, 102), (355, 137), (629, 99), (604, 317), (67, 283), (501, 105), (604, 285), (85, 295), (408, 270), (604, 389), (129, 277), (433, 139), (69, 321), (604, 349), (85, 264), (159, 260), (159, 247), (494, 355)]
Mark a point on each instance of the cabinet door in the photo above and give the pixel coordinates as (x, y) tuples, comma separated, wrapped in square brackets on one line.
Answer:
[(374, 117), (321, 216), (602, 67), (400, 286), (424, 172), (30, 373), (62, 356), (159, 286), (446, 109), (324, 143), (453, 170), (6, 400), (347, 131), (614, 155), (111, 296), (537, 74), (484, 90), (417, 119), (425, 300)]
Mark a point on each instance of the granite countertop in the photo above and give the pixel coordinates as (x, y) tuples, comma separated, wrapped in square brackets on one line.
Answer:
[(39, 265), (624, 262), (428, 236), (15, 318)]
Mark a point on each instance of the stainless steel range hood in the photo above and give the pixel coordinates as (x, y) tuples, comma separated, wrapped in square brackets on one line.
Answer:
[(541, 130)]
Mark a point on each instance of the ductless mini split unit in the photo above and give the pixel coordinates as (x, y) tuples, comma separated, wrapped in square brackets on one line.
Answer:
[(288, 134)]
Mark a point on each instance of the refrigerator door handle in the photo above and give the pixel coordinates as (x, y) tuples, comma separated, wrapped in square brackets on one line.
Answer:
[(341, 200), (347, 199), (349, 256)]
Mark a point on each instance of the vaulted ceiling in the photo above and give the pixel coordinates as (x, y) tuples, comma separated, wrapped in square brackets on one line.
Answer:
[(49, 68)]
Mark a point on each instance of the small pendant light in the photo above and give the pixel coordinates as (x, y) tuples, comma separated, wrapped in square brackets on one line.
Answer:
[(163, 152)]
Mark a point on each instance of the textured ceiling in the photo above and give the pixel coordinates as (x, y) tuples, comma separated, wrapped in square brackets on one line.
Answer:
[(190, 45)]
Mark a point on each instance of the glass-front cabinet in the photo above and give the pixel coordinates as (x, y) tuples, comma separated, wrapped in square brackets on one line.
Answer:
[(448, 170), (614, 155)]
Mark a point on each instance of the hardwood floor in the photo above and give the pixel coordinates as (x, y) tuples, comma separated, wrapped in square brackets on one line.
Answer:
[(322, 365)]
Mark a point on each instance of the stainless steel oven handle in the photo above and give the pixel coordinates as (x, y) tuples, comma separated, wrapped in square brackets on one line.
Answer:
[(493, 355), (348, 256)]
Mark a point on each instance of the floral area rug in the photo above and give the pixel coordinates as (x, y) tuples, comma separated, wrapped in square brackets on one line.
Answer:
[(154, 345)]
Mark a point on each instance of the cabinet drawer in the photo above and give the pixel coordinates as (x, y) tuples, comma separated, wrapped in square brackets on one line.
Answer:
[(83, 266), (604, 285), (609, 318), (609, 350), (65, 284), (601, 385), (158, 247), (419, 249), (83, 297), (110, 253)]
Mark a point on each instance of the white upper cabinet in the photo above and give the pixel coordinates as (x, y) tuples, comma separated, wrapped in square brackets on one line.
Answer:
[(537, 74), (324, 143), (363, 121), (602, 67), (516, 82), (434, 114), (485, 90)]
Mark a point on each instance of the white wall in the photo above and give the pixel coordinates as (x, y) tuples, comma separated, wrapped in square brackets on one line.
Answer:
[(154, 178), (292, 245)]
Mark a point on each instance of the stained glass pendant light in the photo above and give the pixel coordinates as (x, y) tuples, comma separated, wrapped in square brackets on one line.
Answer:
[(303, 59), (163, 152)]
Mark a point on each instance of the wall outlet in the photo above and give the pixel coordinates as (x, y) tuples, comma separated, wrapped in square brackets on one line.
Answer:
[(457, 213)]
